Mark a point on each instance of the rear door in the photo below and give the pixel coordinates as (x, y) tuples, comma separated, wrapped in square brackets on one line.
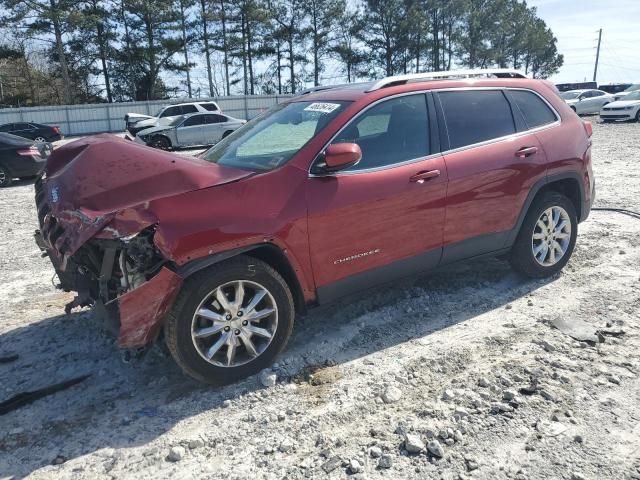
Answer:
[(191, 132), (214, 128), (382, 218), (492, 161)]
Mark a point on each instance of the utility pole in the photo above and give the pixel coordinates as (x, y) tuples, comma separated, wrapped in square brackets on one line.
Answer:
[(595, 70)]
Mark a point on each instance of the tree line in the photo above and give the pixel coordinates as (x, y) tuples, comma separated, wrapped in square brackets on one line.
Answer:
[(82, 51)]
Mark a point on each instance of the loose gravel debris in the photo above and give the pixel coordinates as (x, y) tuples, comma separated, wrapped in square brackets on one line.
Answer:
[(361, 383)]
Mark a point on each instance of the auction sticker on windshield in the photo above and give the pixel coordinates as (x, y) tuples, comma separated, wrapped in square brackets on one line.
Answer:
[(322, 107)]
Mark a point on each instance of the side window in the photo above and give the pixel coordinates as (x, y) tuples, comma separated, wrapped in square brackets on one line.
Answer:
[(21, 126), (8, 127), (211, 107), (597, 93), (170, 112), (391, 132), (586, 95), (195, 120), (534, 110), (215, 119), (188, 109), (476, 116)]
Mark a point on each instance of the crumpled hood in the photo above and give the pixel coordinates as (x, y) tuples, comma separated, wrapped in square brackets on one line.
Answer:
[(90, 181), (157, 128)]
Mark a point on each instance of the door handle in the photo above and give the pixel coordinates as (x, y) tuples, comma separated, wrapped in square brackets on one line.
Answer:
[(526, 152), (420, 177)]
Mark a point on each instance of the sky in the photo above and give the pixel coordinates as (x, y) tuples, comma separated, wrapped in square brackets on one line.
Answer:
[(575, 24)]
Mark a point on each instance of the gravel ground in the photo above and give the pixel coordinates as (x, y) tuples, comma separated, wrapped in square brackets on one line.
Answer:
[(456, 375)]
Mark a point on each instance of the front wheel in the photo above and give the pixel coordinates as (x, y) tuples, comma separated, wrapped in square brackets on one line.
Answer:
[(160, 142), (230, 321), (547, 237), (638, 116)]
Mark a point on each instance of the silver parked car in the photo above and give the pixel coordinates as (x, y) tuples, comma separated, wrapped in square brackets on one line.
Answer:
[(585, 102), (191, 130)]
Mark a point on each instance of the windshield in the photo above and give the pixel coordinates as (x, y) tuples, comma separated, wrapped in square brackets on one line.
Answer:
[(633, 88), (570, 95), (632, 96), (271, 140)]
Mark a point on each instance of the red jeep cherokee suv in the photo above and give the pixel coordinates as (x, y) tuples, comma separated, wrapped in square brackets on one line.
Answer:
[(336, 190)]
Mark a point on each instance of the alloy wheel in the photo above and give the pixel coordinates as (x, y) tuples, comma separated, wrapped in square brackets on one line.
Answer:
[(551, 236), (3, 177), (40, 140), (235, 323)]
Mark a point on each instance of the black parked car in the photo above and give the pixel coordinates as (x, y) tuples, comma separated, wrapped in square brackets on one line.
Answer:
[(20, 158), (34, 131)]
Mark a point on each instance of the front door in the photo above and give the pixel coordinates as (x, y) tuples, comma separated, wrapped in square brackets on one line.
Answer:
[(191, 132), (383, 218)]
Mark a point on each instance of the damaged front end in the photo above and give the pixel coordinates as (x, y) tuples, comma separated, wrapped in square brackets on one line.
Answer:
[(127, 281), (108, 224)]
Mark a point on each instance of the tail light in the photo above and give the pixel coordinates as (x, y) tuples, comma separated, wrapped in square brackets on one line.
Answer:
[(588, 128), (31, 151), (56, 130)]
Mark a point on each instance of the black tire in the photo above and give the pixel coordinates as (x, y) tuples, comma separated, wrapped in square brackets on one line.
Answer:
[(178, 328), (227, 133), (638, 116), (574, 109), (522, 258), (5, 177), (160, 142)]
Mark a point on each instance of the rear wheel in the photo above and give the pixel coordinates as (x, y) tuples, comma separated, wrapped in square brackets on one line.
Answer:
[(638, 115), (40, 140), (227, 133), (5, 177), (573, 108), (160, 142), (230, 321), (547, 237)]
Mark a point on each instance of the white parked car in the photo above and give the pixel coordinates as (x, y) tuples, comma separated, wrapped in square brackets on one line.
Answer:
[(136, 121), (191, 130), (584, 102), (628, 108), (633, 88)]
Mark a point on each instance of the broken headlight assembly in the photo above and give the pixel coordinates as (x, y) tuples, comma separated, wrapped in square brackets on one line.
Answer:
[(138, 259)]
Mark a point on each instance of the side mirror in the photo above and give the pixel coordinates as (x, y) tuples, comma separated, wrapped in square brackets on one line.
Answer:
[(342, 155)]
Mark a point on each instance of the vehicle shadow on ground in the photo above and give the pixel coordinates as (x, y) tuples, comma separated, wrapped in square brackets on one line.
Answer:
[(128, 405)]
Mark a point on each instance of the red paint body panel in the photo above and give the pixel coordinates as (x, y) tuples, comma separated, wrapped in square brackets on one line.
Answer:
[(382, 212), (141, 309), (488, 185)]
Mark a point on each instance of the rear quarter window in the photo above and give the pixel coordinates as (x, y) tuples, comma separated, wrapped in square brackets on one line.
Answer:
[(535, 111), (476, 116), (211, 107)]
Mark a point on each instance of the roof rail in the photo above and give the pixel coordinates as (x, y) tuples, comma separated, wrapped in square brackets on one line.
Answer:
[(446, 75), (320, 88)]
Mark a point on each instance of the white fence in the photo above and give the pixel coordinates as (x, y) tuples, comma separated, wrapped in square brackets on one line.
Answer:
[(109, 117)]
